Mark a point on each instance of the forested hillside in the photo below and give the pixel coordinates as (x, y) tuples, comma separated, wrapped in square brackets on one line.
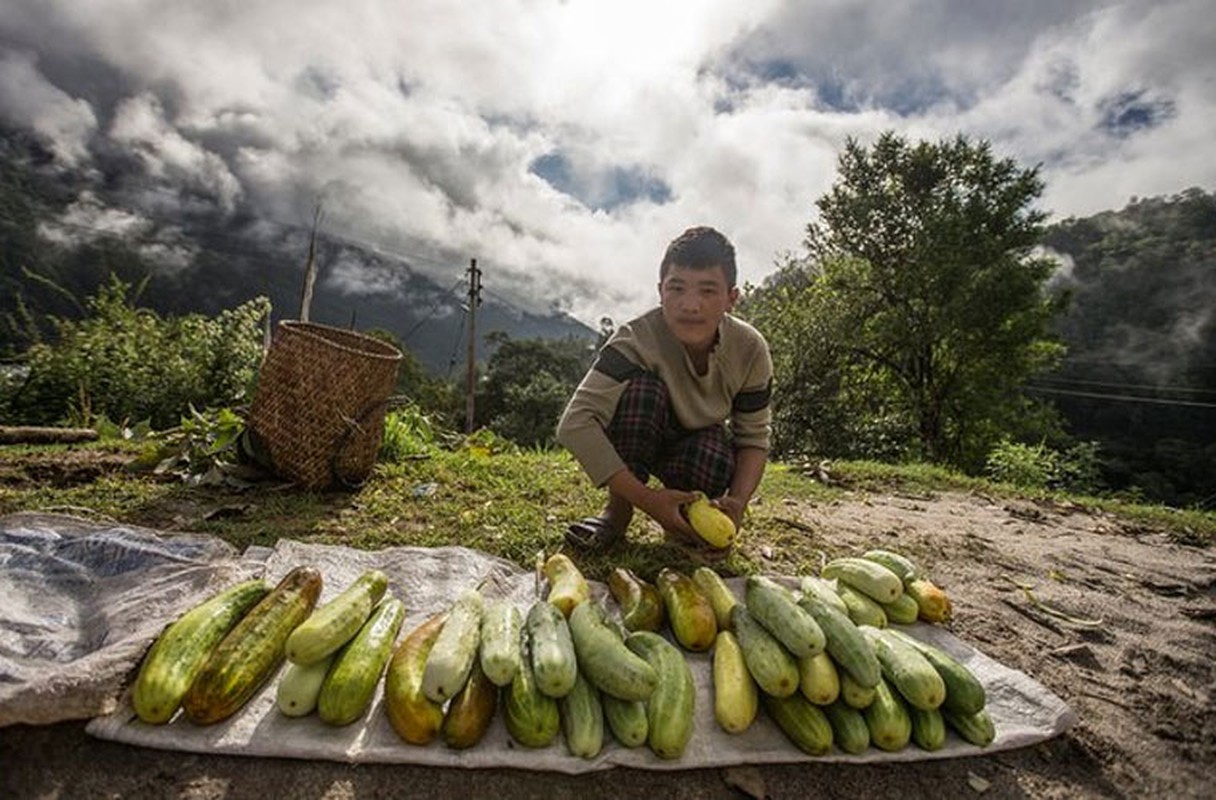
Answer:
[(1140, 372)]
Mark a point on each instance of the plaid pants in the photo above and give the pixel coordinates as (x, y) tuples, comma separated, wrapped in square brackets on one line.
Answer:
[(650, 440)]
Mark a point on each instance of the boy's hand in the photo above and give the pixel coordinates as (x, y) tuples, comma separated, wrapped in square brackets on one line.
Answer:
[(732, 507), (663, 506)]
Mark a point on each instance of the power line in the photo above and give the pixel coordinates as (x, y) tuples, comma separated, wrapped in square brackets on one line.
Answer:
[(1121, 398), (1113, 385), (434, 308)]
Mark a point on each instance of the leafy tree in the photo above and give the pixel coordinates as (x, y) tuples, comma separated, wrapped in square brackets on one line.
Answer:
[(919, 307), (527, 384)]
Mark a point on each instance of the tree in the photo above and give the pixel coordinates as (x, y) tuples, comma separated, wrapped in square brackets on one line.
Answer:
[(919, 269), (527, 384)]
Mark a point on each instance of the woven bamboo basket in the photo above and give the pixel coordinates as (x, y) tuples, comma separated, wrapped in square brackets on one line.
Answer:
[(318, 413)]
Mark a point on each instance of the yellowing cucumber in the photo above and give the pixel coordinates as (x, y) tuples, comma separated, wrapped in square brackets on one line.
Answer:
[(719, 594), (253, 650), (818, 679), (178, 654), (736, 698)]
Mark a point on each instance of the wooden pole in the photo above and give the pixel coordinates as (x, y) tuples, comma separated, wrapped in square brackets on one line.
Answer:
[(471, 367)]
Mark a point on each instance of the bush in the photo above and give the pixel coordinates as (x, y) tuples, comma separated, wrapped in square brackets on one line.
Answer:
[(1041, 467), (128, 363)]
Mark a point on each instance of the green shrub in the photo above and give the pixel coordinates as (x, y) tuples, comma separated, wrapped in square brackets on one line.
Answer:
[(128, 363), (408, 432), (1030, 466)]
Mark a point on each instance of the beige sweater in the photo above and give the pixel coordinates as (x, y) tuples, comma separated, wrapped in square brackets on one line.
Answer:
[(734, 390)]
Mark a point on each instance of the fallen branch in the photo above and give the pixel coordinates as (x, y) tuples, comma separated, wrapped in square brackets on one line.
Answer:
[(1080, 622), (36, 435), (793, 523)]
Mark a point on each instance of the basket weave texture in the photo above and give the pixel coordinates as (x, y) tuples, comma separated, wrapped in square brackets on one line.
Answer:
[(319, 407)]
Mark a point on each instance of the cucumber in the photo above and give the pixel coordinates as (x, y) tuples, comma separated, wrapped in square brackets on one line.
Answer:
[(854, 694), (641, 607), (736, 697), (903, 611), (414, 717), (818, 679), (888, 720), (582, 718), (844, 642), (849, 729), (501, 628), (907, 670), (178, 654), (451, 659), (335, 623), (803, 722), (977, 728), (928, 729), (868, 577), (964, 693), (823, 590), (773, 667), (773, 606), (720, 596), (604, 659), (296, 694), (689, 611), (626, 719), (903, 567), (470, 712), (554, 663), (863, 609), (670, 708), (351, 682), (567, 586), (253, 650), (532, 717)]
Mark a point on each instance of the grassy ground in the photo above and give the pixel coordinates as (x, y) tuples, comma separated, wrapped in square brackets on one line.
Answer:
[(499, 500)]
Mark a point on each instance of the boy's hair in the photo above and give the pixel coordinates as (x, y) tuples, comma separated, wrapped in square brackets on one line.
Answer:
[(701, 248)]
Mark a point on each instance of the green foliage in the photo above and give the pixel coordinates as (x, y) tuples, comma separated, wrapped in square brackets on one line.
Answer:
[(408, 433), (1041, 467), (527, 384), (129, 363), (918, 311)]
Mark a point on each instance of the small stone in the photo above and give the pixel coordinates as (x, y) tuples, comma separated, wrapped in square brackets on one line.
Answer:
[(747, 780), (980, 785)]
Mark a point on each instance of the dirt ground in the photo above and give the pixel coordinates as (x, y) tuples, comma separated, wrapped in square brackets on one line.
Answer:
[(1117, 620)]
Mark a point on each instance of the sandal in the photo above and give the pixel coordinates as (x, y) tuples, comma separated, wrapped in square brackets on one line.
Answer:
[(593, 533)]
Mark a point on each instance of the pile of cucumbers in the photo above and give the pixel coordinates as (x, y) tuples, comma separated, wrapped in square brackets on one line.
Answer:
[(824, 659)]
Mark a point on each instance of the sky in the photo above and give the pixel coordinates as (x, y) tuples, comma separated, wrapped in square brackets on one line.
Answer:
[(564, 144)]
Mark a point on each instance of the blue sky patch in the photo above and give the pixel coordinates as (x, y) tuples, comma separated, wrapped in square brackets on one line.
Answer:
[(1132, 111), (605, 190)]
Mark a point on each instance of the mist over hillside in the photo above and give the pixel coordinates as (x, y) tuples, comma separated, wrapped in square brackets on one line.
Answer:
[(63, 230)]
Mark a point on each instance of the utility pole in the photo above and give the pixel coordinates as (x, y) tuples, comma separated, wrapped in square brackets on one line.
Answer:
[(474, 302)]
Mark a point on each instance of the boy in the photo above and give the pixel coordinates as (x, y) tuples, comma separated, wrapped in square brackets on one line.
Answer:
[(659, 397)]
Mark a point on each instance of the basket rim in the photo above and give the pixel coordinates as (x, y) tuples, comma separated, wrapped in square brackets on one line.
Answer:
[(313, 331)]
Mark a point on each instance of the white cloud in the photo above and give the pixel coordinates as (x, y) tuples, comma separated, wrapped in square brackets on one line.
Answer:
[(418, 124), (28, 99)]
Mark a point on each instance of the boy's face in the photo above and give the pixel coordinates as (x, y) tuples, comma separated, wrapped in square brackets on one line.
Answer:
[(694, 302)]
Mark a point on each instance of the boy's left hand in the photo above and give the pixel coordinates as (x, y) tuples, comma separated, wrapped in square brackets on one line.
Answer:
[(732, 507)]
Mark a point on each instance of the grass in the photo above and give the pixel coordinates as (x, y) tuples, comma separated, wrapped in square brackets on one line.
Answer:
[(507, 503)]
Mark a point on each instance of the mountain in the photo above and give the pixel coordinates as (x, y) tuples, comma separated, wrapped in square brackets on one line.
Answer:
[(62, 231), (1140, 374)]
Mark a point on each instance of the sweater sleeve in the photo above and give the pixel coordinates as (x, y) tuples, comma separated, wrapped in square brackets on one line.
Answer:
[(751, 409), (590, 410)]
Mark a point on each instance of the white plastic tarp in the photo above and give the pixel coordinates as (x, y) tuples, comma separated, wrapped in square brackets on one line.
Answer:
[(427, 580)]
